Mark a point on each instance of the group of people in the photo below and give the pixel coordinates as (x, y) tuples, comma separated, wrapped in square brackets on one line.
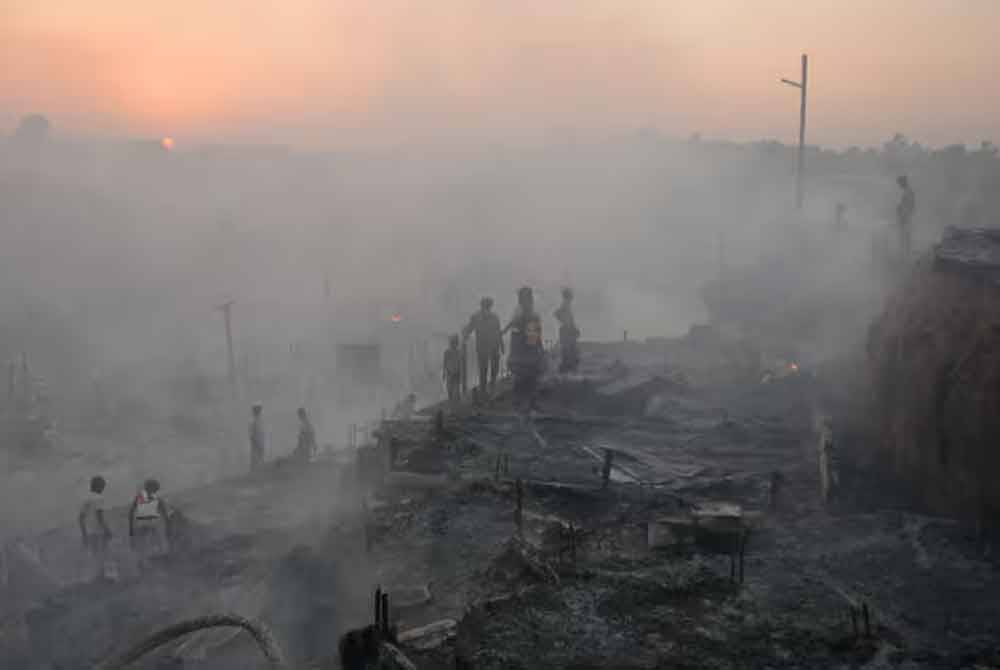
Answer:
[(306, 447), (526, 358), (149, 524)]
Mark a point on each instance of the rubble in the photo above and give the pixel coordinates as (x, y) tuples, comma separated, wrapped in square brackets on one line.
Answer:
[(430, 636), (518, 555)]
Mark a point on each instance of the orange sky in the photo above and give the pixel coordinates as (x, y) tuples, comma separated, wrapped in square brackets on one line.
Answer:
[(351, 72)]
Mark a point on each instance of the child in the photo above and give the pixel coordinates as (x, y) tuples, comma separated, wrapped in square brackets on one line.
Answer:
[(147, 512)]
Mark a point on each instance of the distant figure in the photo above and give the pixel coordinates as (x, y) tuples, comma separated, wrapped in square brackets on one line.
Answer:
[(840, 218), (451, 369), (530, 364), (524, 311), (94, 530), (527, 353), (305, 448), (257, 439), (904, 215), (406, 407), (147, 516), (489, 343), (569, 334)]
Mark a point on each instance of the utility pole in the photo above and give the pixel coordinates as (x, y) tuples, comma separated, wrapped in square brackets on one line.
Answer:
[(803, 86), (227, 309), (722, 255)]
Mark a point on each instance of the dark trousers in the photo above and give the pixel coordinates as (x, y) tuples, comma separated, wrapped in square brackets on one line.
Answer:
[(489, 368), (905, 239), (454, 385), (525, 390), (256, 456), (569, 352)]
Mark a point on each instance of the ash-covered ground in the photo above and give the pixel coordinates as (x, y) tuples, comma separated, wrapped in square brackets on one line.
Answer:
[(643, 572)]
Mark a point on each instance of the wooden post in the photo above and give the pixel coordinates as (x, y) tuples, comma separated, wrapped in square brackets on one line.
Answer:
[(775, 490), (519, 510), (744, 536), (378, 606), (867, 619), (227, 313), (25, 383), (385, 613), (722, 256), (825, 454), (609, 457)]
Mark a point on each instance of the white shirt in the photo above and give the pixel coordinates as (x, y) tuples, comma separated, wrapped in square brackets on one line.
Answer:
[(91, 506)]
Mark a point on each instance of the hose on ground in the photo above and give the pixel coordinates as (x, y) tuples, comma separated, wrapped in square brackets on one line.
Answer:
[(261, 635)]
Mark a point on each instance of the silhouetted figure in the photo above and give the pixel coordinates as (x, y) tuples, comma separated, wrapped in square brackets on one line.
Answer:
[(489, 343), (527, 353), (524, 311), (451, 369), (257, 439), (305, 447), (569, 334), (840, 218), (904, 215), (149, 522)]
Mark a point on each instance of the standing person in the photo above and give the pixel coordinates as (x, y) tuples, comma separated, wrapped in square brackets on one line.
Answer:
[(489, 343), (904, 215), (531, 364), (257, 439), (94, 530), (527, 353), (840, 218), (569, 334), (305, 448), (523, 312), (451, 370), (146, 517)]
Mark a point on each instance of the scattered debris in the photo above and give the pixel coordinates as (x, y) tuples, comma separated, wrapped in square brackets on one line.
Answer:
[(430, 636)]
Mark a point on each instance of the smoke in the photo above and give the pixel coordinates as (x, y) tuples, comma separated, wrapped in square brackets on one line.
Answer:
[(116, 255)]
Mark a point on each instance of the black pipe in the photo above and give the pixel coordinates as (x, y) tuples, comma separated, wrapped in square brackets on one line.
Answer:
[(261, 635)]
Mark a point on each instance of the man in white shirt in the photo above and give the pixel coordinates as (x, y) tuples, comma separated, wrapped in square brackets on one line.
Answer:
[(94, 531)]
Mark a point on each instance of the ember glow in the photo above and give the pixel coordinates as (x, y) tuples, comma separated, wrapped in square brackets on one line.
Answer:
[(396, 318)]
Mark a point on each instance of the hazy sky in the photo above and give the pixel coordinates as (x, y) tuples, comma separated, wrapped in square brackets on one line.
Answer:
[(357, 72)]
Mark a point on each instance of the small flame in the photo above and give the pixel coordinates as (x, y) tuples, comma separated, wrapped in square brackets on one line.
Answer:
[(794, 367), (167, 143), (396, 318)]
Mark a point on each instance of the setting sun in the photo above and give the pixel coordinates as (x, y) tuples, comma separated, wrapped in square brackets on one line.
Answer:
[(167, 143)]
